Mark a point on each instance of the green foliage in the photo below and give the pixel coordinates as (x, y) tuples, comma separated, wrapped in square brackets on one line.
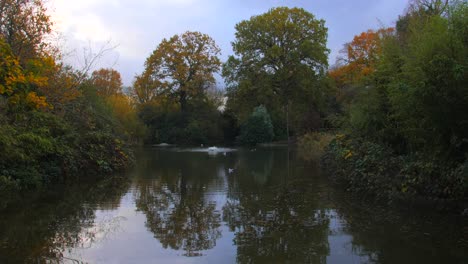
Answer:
[(53, 124), (408, 127), (429, 99), (280, 60), (419, 94), (373, 169), (229, 127), (181, 67), (201, 123), (258, 128), (178, 100), (40, 148)]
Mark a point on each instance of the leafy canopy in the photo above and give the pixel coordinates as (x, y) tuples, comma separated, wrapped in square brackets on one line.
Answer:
[(181, 67), (24, 24), (107, 82), (280, 59), (360, 56)]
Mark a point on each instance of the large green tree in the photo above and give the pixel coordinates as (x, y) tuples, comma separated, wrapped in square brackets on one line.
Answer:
[(280, 59)]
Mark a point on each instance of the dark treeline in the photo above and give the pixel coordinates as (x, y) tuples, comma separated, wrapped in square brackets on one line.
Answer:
[(396, 99)]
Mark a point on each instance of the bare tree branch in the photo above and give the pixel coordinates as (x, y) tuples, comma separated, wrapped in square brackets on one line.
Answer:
[(91, 58)]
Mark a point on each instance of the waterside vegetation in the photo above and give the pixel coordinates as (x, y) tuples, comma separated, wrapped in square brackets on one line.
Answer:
[(403, 96)]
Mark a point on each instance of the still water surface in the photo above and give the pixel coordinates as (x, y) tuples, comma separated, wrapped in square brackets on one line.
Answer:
[(195, 206)]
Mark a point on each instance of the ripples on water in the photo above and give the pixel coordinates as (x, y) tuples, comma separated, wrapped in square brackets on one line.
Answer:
[(221, 205)]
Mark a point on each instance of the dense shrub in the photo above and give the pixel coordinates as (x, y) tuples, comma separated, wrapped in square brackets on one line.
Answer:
[(258, 128), (200, 123), (40, 147), (373, 169)]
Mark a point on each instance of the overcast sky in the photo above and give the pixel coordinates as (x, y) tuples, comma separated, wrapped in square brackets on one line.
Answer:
[(137, 26)]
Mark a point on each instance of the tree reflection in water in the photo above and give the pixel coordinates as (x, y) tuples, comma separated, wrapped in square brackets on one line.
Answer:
[(46, 224), (270, 206), (277, 219), (403, 235), (173, 197), (177, 222), (276, 216)]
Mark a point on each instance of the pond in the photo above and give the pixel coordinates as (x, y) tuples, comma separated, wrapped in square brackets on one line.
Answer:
[(262, 205)]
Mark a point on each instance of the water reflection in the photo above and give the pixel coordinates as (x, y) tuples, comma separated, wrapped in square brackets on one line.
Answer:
[(390, 235), (275, 218), (178, 212), (41, 226), (247, 206)]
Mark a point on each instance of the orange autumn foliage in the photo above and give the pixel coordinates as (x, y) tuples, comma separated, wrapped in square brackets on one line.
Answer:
[(107, 82), (360, 57)]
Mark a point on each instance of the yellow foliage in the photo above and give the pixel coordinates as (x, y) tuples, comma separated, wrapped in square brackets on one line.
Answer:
[(121, 104), (16, 81), (37, 102), (40, 69), (11, 74), (123, 108), (340, 137), (348, 155)]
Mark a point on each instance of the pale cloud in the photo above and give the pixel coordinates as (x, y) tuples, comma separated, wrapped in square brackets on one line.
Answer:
[(137, 26)]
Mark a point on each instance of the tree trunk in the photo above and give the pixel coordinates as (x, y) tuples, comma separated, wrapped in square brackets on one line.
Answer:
[(183, 101), (287, 121)]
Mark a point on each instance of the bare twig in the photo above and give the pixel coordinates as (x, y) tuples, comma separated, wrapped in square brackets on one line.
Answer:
[(90, 59)]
